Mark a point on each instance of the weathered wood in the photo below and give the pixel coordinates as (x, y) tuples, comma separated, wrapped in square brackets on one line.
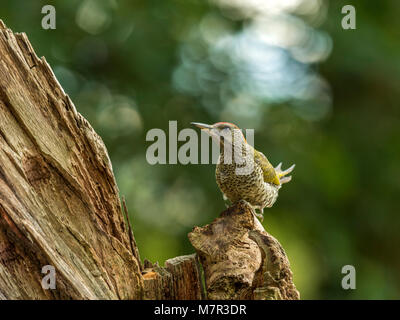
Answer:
[(241, 260), (59, 203), (60, 206), (180, 279)]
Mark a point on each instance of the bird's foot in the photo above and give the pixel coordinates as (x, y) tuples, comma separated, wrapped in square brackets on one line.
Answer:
[(281, 174), (259, 215), (226, 200)]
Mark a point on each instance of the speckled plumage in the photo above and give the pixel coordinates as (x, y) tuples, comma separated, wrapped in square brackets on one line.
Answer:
[(260, 183), (250, 187), (259, 186)]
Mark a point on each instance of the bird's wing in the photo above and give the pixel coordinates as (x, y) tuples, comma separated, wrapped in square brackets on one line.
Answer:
[(269, 173)]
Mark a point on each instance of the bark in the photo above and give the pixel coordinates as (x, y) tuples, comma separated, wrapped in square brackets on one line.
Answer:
[(60, 206), (241, 260)]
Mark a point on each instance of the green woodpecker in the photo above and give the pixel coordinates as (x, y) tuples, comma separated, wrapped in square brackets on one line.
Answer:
[(242, 172)]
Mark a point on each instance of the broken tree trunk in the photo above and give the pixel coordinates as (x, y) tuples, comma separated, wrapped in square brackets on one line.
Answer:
[(241, 260), (60, 206)]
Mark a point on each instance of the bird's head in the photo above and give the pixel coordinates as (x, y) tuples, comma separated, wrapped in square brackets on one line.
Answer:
[(222, 132)]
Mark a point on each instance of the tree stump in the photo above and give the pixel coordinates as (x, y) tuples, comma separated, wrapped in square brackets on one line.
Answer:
[(241, 260), (60, 206)]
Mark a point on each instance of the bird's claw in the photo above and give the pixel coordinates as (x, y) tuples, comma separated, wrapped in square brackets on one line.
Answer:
[(258, 215), (226, 200)]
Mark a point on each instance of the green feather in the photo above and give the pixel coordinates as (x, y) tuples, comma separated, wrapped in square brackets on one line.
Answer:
[(270, 175)]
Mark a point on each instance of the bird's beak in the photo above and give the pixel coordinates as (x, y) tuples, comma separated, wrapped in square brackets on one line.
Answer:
[(209, 129), (202, 125)]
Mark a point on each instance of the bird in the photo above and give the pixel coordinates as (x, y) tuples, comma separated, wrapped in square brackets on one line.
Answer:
[(242, 172)]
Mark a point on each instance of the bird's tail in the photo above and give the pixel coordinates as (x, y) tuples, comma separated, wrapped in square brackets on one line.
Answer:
[(282, 174)]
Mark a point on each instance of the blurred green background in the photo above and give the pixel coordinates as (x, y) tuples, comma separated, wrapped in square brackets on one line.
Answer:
[(317, 95)]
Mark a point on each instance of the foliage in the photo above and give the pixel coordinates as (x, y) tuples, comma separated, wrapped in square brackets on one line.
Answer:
[(317, 95)]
